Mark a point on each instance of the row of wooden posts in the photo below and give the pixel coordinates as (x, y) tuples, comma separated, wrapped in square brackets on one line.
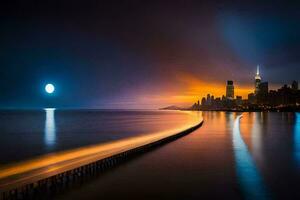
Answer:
[(59, 182)]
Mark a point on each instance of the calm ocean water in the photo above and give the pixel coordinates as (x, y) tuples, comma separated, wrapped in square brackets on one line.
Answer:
[(27, 134), (256, 156), (233, 155)]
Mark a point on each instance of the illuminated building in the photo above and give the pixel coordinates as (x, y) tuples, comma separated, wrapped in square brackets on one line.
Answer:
[(257, 81), (229, 90)]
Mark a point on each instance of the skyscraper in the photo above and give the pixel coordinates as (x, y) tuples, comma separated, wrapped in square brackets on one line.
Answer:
[(229, 90), (257, 81), (295, 85), (262, 95), (208, 100), (251, 98), (203, 101), (264, 88)]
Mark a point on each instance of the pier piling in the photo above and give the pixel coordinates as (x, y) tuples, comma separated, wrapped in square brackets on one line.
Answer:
[(60, 181)]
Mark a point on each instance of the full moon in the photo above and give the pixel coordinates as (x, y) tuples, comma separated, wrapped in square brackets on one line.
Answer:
[(49, 88)]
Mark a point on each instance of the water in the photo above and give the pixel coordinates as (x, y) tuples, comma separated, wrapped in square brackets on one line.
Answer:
[(255, 156), (232, 156), (27, 134)]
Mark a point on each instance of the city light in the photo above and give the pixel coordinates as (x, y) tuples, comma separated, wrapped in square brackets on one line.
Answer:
[(284, 98)]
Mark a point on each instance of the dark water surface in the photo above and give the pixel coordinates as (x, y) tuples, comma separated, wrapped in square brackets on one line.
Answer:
[(27, 134), (256, 156)]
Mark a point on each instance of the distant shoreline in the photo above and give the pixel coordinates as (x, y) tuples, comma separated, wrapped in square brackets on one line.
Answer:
[(242, 110)]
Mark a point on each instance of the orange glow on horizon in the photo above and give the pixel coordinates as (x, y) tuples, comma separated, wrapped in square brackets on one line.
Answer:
[(190, 89)]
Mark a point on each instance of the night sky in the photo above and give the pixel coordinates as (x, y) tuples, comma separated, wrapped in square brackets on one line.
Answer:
[(142, 54)]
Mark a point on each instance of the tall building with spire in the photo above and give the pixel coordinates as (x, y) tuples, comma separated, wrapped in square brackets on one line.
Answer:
[(257, 81)]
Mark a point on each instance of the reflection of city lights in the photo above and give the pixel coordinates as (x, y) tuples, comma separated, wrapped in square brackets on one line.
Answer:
[(256, 135), (50, 130), (248, 175), (297, 138)]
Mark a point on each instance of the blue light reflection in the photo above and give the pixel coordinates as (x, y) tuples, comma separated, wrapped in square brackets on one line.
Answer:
[(249, 178), (297, 139)]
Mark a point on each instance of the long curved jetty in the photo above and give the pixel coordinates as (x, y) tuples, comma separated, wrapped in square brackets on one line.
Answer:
[(22, 179)]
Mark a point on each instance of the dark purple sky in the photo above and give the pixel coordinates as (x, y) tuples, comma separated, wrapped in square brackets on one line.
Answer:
[(142, 54)]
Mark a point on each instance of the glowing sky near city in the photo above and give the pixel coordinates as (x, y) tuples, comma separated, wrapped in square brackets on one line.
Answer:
[(142, 54)]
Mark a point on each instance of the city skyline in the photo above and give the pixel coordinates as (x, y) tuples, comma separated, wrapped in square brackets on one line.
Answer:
[(260, 87), (285, 98)]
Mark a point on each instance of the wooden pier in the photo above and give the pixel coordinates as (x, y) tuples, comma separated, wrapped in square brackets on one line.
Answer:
[(51, 173)]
